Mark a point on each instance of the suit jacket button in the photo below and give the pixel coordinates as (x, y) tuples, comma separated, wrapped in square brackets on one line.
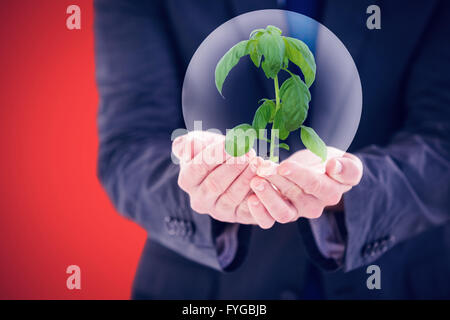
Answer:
[(170, 227), (190, 229), (182, 228), (367, 250), (178, 226)]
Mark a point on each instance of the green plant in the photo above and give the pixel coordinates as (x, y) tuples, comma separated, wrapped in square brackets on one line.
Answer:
[(287, 112)]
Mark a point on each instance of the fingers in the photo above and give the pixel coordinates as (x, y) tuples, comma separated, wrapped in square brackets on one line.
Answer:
[(187, 146), (306, 205), (218, 181), (347, 169), (313, 182), (243, 214), (195, 171), (237, 191), (178, 145), (280, 210), (259, 213), (265, 167)]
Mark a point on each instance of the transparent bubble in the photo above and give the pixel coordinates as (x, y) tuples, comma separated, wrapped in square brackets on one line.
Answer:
[(336, 103)]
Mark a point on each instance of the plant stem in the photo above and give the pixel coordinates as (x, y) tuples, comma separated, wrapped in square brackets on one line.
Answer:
[(277, 92), (272, 132)]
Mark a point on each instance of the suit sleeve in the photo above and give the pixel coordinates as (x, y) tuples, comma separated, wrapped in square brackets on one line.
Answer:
[(405, 189), (140, 92)]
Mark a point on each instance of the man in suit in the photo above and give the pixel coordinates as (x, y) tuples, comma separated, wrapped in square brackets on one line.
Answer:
[(396, 216)]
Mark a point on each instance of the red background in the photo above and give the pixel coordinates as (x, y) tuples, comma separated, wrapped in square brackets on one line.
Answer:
[(53, 210)]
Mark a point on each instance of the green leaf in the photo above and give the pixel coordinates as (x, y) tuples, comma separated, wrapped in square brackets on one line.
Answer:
[(298, 52), (272, 108), (313, 142), (284, 146), (255, 55), (271, 46), (295, 97), (240, 140), (273, 30), (285, 62), (263, 115), (255, 34), (279, 124), (228, 61)]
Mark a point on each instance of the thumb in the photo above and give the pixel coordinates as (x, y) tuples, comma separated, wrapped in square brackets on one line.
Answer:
[(187, 146), (346, 170), (178, 146)]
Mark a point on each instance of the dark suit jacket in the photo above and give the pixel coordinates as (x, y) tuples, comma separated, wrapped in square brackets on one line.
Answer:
[(397, 217)]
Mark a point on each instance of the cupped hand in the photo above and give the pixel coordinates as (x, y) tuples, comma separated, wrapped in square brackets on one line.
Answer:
[(217, 184), (302, 186)]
